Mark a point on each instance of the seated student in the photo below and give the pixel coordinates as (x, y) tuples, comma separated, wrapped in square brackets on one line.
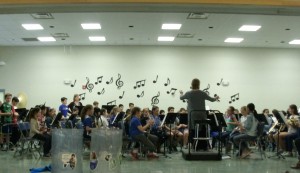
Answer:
[(87, 121), (63, 108), (145, 116), (231, 122), (96, 110), (36, 133), (41, 119), (102, 121), (286, 138), (238, 129), (178, 136), (137, 132), (183, 128), (49, 117), (267, 127), (74, 118), (113, 115), (6, 118), (75, 102), (248, 131), (158, 129)]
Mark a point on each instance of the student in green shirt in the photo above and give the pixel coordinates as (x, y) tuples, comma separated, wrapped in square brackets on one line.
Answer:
[(6, 117)]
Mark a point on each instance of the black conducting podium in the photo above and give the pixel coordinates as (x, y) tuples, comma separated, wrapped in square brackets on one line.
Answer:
[(215, 120)]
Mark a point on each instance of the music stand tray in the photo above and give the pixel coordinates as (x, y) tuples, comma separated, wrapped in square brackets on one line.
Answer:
[(262, 119), (183, 119)]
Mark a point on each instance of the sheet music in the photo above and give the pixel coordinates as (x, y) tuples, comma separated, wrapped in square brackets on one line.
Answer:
[(274, 120)]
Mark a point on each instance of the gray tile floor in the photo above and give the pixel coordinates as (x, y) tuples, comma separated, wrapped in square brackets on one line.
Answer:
[(176, 164)]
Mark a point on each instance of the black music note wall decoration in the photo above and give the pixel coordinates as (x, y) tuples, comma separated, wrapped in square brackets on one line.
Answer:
[(220, 83), (102, 92), (110, 81), (89, 85), (172, 91), (168, 82), (82, 96), (155, 100), (234, 98), (114, 102), (140, 95), (155, 79), (216, 95), (183, 100), (99, 80), (206, 89), (139, 84), (119, 83), (72, 85), (120, 97)]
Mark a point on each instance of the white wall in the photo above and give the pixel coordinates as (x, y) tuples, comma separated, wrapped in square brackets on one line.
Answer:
[(267, 77)]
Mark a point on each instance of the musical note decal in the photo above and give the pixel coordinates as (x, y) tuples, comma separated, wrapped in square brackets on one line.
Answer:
[(120, 97), (112, 103), (168, 82), (102, 92), (155, 100), (234, 98), (140, 83), (220, 83), (119, 83), (89, 85), (172, 91), (99, 80), (206, 89), (155, 79), (110, 81), (72, 85), (82, 96), (140, 95)]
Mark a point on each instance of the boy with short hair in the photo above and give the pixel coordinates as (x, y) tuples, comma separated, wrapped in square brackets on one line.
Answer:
[(63, 108), (6, 118)]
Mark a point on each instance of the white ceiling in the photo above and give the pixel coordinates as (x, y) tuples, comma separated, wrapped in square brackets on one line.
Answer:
[(147, 27)]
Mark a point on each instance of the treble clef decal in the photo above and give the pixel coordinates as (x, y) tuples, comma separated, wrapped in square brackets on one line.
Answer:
[(155, 100), (119, 83), (89, 85)]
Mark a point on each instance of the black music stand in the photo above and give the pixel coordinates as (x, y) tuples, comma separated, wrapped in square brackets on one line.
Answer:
[(238, 116), (261, 118), (183, 118), (281, 121), (170, 119), (56, 119), (161, 117), (22, 113), (108, 107)]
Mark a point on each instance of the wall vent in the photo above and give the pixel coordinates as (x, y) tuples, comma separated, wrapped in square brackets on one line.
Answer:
[(30, 39), (185, 35), (197, 16), (42, 16), (60, 35)]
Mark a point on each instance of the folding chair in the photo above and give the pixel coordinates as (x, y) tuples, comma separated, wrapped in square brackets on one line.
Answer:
[(26, 143)]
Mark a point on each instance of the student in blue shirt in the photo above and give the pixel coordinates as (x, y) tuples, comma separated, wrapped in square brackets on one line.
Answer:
[(87, 121), (63, 108), (137, 132)]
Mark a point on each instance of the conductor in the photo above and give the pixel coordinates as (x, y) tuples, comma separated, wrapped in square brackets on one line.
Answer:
[(196, 101)]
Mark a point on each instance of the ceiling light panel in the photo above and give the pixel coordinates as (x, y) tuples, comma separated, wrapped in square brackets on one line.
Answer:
[(91, 25), (32, 26), (171, 26), (250, 28)]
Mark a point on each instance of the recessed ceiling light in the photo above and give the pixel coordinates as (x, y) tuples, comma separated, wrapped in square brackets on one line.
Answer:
[(163, 38), (233, 40), (46, 39), (171, 26), (32, 26), (249, 28), (97, 38), (294, 42), (91, 25)]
